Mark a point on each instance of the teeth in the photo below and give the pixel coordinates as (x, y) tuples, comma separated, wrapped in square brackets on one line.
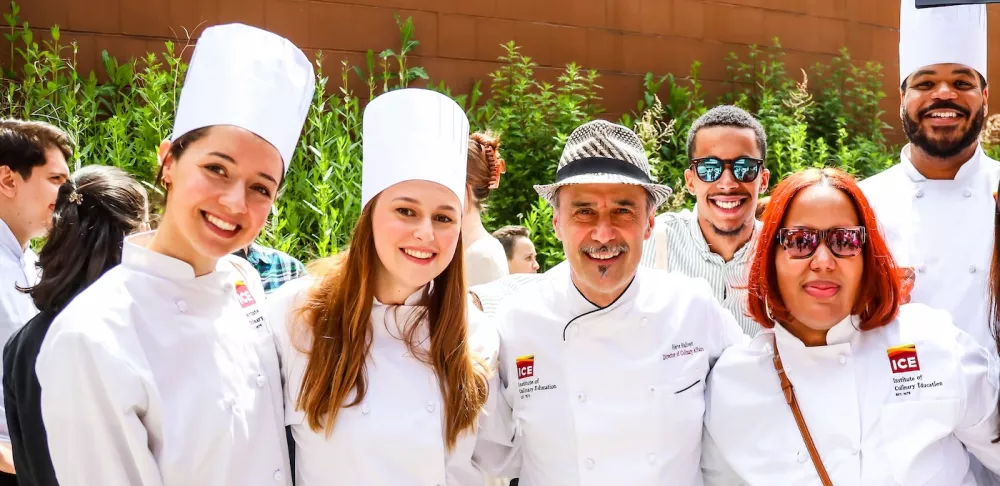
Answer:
[(605, 255), (423, 255), (728, 204), (944, 114), (220, 223)]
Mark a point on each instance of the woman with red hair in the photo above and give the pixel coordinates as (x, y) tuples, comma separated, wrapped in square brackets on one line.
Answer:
[(845, 385)]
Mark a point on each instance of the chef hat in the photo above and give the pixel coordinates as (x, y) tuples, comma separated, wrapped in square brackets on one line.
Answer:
[(941, 35), (250, 78), (413, 134)]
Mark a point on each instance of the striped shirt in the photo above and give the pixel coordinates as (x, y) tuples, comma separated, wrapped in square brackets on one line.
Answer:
[(689, 254)]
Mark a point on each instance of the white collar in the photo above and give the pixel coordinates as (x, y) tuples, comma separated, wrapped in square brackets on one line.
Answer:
[(137, 256), (965, 173), (9, 244), (412, 301), (842, 333), (578, 304)]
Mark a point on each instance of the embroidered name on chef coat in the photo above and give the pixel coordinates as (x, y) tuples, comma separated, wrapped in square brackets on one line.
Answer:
[(526, 381), (685, 348), (904, 360), (249, 304)]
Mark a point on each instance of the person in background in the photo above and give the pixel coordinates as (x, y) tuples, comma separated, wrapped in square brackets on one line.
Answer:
[(602, 363), (762, 206), (485, 259), (382, 386), (520, 251), (275, 267), (164, 371), (727, 147), (94, 212), (33, 166), (844, 385)]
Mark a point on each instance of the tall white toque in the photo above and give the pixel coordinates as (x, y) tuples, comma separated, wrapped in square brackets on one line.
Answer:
[(941, 35)]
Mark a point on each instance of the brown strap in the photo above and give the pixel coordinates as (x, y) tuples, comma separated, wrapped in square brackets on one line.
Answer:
[(786, 387)]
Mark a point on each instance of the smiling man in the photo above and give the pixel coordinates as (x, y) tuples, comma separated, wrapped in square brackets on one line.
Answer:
[(936, 206), (602, 364), (727, 147)]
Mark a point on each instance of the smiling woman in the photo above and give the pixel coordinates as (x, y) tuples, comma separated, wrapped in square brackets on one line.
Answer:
[(164, 371), (842, 371)]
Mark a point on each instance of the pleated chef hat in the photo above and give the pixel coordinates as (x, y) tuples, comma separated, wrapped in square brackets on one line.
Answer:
[(941, 35), (250, 78), (413, 134)]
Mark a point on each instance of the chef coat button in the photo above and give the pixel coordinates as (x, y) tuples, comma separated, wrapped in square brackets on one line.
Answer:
[(230, 403), (967, 193), (182, 306), (430, 406), (279, 476), (652, 458), (652, 389), (972, 269), (581, 397), (261, 381), (644, 321), (920, 193), (921, 269), (842, 359), (590, 463), (802, 457), (365, 409), (228, 286), (856, 452)]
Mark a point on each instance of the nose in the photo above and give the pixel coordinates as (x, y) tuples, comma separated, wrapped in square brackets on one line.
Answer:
[(727, 181), (424, 230), (534, 265), (603, 230), (823, 260), (234, 199), (944, 91)]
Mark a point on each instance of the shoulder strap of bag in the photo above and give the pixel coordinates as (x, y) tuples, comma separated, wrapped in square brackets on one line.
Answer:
[(786, 387), (660, 246)]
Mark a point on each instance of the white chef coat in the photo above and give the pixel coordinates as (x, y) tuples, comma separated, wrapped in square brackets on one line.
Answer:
[(17, 269), (152, 376), (944, 229), (874, 422), (607, 396), (396, 435)]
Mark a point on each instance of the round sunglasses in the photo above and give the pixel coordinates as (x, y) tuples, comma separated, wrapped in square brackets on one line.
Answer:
[(803, 242), (744, 169)]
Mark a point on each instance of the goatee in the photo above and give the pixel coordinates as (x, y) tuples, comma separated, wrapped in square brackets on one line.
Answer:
[(728, 233), (943, 149)]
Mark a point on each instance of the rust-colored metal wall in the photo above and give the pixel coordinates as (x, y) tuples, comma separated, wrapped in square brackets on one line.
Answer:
[(460, 38)]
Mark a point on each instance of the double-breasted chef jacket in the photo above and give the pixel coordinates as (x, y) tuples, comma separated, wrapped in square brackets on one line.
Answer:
[(153, 376), (896, 405), (944, 230), (396, 435), (17, 269), (614, 395)]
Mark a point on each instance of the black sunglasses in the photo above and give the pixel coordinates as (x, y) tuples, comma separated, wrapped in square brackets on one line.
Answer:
[(803, 242), (744, 169)]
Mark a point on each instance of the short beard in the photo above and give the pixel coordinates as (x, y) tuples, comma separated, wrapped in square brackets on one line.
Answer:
[(603, 270), (942, 150), (728, 233)]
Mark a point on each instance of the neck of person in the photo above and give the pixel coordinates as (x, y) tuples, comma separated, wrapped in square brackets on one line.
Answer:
[(809, 336), (20, 232), (600, 297), (388, 289), (726, 245), (472, 226), (170, 242), (936, 168)]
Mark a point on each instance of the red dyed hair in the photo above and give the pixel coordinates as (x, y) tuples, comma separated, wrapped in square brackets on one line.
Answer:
[(879, 295)]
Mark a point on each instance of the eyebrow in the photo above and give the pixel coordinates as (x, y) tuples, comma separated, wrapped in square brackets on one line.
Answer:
[(931, 72), (444, 207), (626, 202), (233, 161)]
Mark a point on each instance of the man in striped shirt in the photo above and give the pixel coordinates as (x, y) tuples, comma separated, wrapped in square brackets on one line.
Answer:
[(726, 148)]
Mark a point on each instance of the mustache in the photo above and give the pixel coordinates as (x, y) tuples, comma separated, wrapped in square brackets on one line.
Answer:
[(943, 105), (619, 248)]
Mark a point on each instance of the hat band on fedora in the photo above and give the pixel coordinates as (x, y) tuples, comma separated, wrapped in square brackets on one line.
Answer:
[(602, 165)]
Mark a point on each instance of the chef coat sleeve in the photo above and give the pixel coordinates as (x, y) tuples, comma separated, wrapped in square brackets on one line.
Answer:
[(715, 469), (91, 402), (496, 453), (978, 425)]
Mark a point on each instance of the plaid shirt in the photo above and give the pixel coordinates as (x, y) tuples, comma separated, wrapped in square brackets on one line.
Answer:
[(276, 268)]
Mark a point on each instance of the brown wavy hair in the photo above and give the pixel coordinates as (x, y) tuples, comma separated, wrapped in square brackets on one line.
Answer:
[(337, 315), (879, 296), (484, 166)]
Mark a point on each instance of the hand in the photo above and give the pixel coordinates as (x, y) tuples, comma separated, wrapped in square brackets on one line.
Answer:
[(6, 458)]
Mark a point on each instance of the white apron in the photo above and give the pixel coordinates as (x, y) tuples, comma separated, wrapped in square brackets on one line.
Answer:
[(152, 376)]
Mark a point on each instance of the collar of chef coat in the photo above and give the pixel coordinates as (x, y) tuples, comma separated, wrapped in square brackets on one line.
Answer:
[(578, 305), (8, 243), (965, 174), (837, 337), (695, 227), (136, 256), (400, 315)]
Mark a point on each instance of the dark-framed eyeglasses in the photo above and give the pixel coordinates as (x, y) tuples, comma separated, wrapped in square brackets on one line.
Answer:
[(803, 242), (744, 169)]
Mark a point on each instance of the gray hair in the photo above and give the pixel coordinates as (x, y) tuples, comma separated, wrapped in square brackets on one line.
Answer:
[(728, 116)]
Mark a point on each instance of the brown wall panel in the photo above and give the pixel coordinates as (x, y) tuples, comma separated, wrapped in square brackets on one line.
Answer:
[(460, 39)]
